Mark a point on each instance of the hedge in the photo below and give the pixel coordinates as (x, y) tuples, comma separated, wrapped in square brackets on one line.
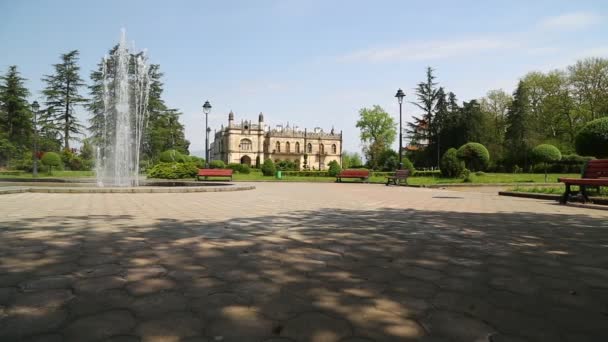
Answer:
[(592, 139)]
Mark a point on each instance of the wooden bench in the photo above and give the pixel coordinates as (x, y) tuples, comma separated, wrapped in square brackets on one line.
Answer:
[(595, 174), (361, 174), (214, 173), (398, 177)]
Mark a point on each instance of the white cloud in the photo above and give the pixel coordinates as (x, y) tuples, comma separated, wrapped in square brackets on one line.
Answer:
[(571, 21), (429, 50)]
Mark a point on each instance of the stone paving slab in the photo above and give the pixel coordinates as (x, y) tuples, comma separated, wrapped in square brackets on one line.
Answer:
[(301, 262)]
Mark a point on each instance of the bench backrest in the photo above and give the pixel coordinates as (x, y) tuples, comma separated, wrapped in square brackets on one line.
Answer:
[(597, 168), (402, 173), (215, 172), (354, 173)]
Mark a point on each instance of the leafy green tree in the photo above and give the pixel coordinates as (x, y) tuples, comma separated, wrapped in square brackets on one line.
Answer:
[(592, 140), (15, 114), (589, 81), (545, 154), (421, 130), (334, 168), (388, 160), (378, 132), (62, 95), (517, 134), (475, 156), (268, 168), (50, 160), (451, 165), (351, 160)]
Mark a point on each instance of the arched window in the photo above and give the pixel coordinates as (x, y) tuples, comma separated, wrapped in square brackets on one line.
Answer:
[(309, 148), (278, 149), (321, 149), (333, 149), (287, 147), (297, 147), (246, 145)]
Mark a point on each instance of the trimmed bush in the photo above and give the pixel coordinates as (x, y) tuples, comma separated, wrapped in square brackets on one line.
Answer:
[(173, 156), (50, 160), (466, 176), (217, 164), (286, 165), (451, 166), (239, 168), (475, 156), (306, 173), (592, 140), (268, 168), (545, 154), (334, 168), (570, 163), (198, 161), (173, 170)]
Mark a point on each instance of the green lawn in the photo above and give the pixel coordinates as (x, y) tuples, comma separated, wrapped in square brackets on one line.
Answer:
[(488, 178), (557, 190), (56, 174)]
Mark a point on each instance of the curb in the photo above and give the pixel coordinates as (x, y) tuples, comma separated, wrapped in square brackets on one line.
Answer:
[(598, 202), (137, 190)]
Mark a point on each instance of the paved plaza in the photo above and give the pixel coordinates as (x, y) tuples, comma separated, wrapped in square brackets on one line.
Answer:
[(301, 262)]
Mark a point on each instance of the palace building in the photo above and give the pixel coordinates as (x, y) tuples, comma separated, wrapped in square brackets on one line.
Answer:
[(252, 143)]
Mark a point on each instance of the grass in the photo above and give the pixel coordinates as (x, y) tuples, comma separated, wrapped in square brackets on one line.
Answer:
[(487, 178), (255, 175), (558, 190), (56, 174)]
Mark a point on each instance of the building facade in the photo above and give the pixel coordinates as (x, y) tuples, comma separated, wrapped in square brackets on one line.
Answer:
[(252, 143)]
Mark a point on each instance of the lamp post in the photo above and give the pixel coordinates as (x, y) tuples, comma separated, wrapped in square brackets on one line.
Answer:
[(207, 110), (400, 95), (35, 108)]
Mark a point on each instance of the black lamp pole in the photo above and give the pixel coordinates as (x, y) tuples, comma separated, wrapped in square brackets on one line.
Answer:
[(400, 95), (207, 110), (35, 108)]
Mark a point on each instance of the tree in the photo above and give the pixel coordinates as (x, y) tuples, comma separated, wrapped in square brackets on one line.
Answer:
[(268, 168), (351, 160), (592, 140), (62, 96), (51, 159), (517, 131), (589, 82), (388, 160), (378, 131), (422, 131), (475, 156), (451, 166), (334, 168), (545, 154), (495, 106), (15, 115)]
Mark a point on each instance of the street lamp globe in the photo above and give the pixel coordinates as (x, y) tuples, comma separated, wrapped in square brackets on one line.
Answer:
[(206, 107), (400, 95)]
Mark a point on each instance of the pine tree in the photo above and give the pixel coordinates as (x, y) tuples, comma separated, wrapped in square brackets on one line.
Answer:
[(517, 118), (15, 111), (62, 96), (420, 131)]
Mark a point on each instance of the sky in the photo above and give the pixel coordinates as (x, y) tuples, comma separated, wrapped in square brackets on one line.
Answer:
[(307, 63)]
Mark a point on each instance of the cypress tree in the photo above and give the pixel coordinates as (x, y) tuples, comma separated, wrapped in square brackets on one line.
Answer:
[(62, 96)]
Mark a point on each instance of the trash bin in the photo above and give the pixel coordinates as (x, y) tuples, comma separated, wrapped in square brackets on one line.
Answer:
[(279, 175)]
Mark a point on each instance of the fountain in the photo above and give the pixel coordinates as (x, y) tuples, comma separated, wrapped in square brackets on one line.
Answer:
[(126, 87)]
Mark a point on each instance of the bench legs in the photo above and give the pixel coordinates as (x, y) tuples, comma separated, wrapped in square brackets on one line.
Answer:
[(584, 194), (566, 195)]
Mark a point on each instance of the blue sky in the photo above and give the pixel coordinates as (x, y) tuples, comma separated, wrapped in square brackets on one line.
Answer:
[(309, 63)]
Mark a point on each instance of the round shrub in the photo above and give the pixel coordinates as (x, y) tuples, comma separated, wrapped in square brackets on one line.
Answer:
[(407, 165), (50, 160), (592, 139), (173, 170), (475, 156), (546, 153), (198, 161), (173, 156), (451, 166), (268, 168), (334, 168), (217, 164), (239, 168)]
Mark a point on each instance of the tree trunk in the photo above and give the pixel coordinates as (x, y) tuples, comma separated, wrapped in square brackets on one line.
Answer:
[(66, 131)]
